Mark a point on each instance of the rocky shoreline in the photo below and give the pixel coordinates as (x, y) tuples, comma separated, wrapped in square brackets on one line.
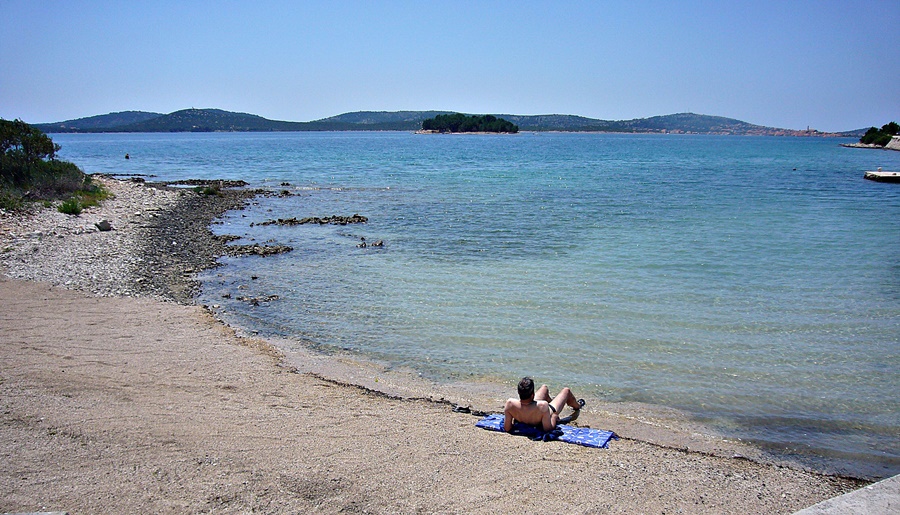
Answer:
[(159, 238), (125, 404), (894, 144)]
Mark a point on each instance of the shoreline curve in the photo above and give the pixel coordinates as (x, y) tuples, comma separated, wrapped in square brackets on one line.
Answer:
[(69, 383)]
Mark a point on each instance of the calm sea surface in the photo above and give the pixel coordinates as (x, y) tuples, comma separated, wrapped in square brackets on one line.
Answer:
[(752, 282)]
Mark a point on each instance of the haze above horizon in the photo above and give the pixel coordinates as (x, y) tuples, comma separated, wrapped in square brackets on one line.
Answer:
[(827, 65)]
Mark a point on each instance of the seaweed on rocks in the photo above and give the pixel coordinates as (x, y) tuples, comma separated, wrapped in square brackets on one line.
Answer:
[(205, 182), (328, 220)]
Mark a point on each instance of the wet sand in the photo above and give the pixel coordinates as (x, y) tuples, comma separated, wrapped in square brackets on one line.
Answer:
[(116, 402)]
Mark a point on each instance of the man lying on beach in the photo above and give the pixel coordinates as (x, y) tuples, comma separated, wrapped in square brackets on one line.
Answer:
[(536, 408)]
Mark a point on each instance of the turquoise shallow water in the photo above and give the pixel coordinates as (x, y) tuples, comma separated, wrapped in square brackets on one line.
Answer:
[(752, 282)]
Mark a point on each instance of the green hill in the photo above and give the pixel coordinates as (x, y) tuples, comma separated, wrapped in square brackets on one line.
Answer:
[(555, 122), (691, 123), (682, 122), (371, 118), (209, 120), (217, 120), (98, 123)]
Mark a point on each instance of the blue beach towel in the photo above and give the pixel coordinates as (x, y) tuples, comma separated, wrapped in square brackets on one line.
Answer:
[(578, 435)]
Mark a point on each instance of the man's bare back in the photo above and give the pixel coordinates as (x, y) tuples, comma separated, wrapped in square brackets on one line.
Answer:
[(533, 413), (536, 408)]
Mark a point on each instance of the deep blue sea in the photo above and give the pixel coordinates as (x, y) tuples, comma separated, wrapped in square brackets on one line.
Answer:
[(752, 282)]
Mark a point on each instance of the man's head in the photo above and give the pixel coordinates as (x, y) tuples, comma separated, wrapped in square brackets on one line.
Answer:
[(526, 388)]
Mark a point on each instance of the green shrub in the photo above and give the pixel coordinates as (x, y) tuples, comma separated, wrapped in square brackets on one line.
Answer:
[(208, 190), (52, 179), (880, 137), (29, 169), (882, 140), (10, 202), (70, 207), (92, 194)]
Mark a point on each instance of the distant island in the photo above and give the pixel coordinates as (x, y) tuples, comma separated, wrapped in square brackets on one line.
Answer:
[(217, 120), (458, 122)]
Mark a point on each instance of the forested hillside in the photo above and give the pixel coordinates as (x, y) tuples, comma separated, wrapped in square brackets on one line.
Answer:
[(210, 120)]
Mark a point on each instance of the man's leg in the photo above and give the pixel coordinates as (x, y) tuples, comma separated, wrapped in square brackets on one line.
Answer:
[(564, 398), (542, 393)]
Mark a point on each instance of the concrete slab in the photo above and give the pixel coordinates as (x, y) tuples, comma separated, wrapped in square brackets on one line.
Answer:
[(881, 176), (878, 498)]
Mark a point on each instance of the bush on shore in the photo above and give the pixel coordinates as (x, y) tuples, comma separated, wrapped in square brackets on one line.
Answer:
[(210, 190), (880, 137), (29, 170), (70, 207)]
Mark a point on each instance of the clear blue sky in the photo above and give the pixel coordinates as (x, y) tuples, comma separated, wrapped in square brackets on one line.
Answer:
[(825, 64)]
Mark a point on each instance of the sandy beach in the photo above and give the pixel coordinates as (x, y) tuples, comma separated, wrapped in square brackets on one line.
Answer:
[(118, 394)]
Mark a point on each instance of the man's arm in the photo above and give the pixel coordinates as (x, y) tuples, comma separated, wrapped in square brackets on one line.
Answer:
[(507, 416), (550, 419)]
